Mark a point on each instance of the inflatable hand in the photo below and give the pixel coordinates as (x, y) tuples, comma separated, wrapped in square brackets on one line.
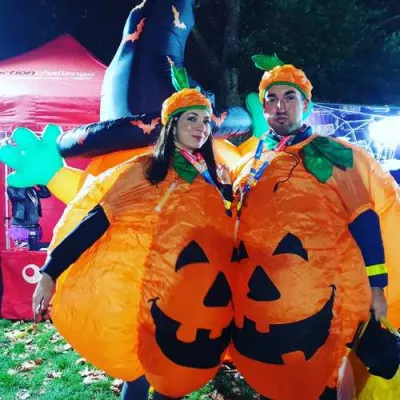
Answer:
[(35, 160), (259, 127), (253, 105)]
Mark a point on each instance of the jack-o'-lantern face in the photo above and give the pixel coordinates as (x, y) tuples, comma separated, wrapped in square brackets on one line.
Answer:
[(198, 337), (282, 336), (190, 316)]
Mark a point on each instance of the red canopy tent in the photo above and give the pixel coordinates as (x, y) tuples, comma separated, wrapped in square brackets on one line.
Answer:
[(59, 83)]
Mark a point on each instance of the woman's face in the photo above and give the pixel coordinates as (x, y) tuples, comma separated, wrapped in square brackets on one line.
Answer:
[(193, 129)]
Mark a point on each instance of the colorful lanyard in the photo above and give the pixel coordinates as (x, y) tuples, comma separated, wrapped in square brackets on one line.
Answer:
[(198, 162), (256, 172)]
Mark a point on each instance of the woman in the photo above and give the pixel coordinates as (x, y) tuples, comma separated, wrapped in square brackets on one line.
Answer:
[(153, 252)]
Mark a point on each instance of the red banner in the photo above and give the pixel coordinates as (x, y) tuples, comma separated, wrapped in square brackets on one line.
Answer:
[(19, 275)]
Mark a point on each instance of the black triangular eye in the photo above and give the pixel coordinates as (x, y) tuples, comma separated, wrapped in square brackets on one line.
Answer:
[(220, 293), (261, 287), (291, 244), (239, 253), (191, 254)]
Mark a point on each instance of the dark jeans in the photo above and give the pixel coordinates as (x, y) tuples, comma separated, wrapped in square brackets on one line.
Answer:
[(136, 390), (139, 390)]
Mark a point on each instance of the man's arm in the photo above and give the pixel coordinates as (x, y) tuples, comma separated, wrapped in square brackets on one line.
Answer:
[(368, 193), (366, 231)]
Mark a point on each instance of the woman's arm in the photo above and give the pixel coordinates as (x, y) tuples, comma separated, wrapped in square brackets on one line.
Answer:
[(89, 230)]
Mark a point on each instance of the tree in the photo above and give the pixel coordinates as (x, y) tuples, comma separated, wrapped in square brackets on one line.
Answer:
[(347, 48), (224, 66)]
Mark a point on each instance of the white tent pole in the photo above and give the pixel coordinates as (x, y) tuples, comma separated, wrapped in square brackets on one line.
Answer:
[(6, 211), (6, 206)]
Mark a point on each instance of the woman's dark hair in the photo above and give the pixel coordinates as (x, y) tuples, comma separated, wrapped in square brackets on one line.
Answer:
[(164, 149)]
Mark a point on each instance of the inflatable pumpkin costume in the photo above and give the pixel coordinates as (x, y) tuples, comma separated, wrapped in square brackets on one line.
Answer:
[(152, 291), (305, 254)]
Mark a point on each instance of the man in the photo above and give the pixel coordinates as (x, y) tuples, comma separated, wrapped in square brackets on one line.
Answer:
[(309, 240)]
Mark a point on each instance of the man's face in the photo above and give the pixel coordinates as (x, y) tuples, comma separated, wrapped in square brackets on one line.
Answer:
[(284, 106)]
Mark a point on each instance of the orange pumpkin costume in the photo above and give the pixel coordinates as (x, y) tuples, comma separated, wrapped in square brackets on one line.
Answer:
[(301, 287), (153, 291)]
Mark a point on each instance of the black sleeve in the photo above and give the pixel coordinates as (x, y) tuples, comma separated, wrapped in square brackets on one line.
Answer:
[(90, 229), (15, 193), (227, 192), (366, 231)]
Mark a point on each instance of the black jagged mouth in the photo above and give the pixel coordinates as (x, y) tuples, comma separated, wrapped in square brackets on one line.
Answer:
[(307, 336), (203, 353)]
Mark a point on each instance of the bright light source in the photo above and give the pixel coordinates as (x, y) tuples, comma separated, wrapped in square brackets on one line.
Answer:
[(386, 132), (344, 138), (391, 165)]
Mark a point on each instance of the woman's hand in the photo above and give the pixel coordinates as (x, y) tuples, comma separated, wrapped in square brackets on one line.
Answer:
[(223, 174), (42, 296)]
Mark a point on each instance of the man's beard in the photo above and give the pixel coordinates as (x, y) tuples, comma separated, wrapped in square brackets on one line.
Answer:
[(285, 130)]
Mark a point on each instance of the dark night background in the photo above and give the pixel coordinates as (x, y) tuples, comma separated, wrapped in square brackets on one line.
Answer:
[(349, 48)]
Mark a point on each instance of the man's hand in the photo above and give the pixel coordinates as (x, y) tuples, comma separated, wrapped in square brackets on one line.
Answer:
[(379, 304)]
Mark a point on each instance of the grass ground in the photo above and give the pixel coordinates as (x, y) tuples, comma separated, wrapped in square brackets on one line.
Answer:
[(39, 364)]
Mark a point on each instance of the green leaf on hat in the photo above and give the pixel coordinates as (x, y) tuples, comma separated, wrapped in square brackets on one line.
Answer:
[(180, 79), (266, 63)]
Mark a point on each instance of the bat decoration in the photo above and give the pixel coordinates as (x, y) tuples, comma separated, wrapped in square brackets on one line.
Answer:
[(140, 6), (146, 128), (177, 21), (133, 37), (220, 120)]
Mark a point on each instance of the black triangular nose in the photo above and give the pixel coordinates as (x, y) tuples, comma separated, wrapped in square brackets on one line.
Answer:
[(261, 287), (220, 294)]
